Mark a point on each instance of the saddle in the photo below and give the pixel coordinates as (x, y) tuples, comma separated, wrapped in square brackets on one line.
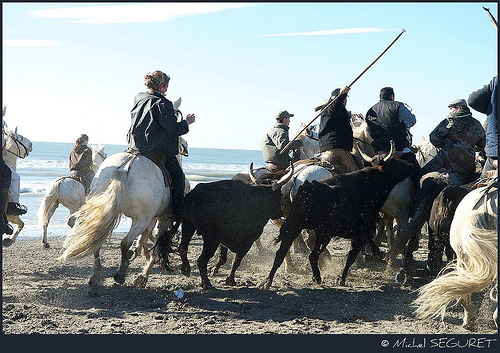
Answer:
[(159, 163), (333, 168)]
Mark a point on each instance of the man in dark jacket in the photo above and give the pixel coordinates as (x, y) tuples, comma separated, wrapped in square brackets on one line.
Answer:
[(155, 131), (457, 137), (274, 140), (335, 133), (391, 120), (484, 100)]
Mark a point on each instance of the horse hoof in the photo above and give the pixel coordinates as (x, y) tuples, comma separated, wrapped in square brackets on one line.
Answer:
[(120, 279), (140, 282), (7, 242), (46, 245), (265, 285), (230, 281), (401, 277)]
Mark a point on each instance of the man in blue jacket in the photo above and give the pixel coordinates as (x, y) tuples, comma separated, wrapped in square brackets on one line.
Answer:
[(484, 100)]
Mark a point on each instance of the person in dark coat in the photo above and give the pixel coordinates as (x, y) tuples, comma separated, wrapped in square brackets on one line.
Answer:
[(484, 100), (458, 137), (391, 120), (154, 132), (335, 133), (80, 162)]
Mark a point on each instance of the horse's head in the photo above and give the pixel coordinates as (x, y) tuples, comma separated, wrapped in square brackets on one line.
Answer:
[(309, 138), (98, 156), (426, 151), (15, 143)]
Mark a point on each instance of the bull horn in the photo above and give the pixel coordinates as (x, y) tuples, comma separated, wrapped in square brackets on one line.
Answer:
[(391, 152), (285, 180), (366, 157), (252, 175)]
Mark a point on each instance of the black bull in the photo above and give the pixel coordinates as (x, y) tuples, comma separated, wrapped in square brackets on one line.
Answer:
[(347, 207), (227, 212)]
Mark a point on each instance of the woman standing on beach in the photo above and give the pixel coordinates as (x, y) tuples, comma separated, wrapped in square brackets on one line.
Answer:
[(80, 162), (155, 131)]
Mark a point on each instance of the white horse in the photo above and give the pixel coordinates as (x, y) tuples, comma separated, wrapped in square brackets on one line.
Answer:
[(474, 237), (127, 184), (397, 206), (426, 151), (16, 146), (68, 192)]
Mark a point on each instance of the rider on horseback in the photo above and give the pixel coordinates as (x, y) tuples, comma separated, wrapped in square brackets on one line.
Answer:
[(335, 134), (80, 162), (155, 131), (274, 140)]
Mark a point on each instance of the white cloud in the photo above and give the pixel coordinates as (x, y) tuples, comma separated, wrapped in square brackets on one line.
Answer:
[(330, 32), (150, 12), (29, 43)]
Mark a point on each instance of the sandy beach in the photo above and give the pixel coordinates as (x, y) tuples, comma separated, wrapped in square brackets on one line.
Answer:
[(41, 295)]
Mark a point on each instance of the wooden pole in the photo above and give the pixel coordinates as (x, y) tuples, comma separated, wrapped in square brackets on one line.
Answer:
[(336, 98), (487, 9)]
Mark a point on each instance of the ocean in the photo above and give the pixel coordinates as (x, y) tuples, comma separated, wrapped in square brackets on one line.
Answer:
[(49, 161)]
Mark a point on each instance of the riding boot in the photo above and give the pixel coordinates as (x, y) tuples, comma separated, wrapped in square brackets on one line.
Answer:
[(16, 209)]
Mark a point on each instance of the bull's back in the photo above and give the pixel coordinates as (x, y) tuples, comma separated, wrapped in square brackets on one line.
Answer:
[(225, 204)]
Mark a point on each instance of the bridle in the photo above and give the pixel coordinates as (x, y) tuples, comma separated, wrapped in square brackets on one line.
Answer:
[(18, 144)]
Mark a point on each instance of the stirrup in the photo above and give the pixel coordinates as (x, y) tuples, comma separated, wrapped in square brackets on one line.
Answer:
[(14, 208)]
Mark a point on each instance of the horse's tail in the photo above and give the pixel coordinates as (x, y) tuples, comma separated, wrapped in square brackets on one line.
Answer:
[(96, 218), (474, 270), (49, 203), (164, 246)]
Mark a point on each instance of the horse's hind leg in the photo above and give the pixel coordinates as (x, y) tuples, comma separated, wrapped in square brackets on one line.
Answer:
[(470, 315), (96, 279), (48, 212), (142, 243), (126, 243)]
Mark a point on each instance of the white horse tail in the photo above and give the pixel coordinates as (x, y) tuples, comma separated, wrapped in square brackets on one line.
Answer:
[(49, 203), (96, 218), (475, 271)]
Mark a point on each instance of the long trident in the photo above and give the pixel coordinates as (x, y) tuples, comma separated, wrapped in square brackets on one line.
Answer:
[(336, 98), (487, 9)]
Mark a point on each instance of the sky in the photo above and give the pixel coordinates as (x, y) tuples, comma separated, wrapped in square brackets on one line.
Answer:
[(73, 68)]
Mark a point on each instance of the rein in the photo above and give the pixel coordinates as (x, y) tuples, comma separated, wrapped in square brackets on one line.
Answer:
[(17, 142)]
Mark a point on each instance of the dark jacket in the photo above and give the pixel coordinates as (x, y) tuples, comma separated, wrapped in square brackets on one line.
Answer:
[(155, 131), (457, 137), (335, 129), (484, 100), (384, 125), (80, 160)]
